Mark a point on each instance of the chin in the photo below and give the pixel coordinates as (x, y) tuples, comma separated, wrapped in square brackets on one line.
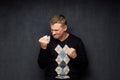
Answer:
[(56, 37)]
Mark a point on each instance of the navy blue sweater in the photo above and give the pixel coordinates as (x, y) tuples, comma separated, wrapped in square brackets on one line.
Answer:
[(47, 58)]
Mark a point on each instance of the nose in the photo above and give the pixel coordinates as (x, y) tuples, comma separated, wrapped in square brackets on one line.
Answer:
[(53, 32)]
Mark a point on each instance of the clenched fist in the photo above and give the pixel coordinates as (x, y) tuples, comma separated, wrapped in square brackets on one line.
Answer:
[(72, 53), (44, 41)]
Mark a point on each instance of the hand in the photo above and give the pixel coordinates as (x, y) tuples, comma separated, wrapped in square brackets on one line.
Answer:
[(43, 42), (72, 53)]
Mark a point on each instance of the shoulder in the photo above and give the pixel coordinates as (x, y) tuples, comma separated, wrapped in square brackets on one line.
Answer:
[(75, 38)]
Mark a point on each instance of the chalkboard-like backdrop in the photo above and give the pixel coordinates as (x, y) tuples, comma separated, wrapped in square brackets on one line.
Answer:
[(22, 22)]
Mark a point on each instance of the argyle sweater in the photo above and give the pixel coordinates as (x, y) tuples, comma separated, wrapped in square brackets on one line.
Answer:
[(49, 59)]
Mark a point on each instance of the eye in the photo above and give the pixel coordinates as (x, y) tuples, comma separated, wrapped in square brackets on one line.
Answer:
[(55, 30)]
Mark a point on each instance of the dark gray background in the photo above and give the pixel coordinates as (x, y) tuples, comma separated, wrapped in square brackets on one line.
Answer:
[(22, 22)]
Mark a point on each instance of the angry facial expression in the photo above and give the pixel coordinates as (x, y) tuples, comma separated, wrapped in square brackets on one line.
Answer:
[(58, 30)]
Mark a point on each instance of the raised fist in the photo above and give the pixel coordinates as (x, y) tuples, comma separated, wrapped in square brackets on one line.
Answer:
[(44, 41), (72, 53)]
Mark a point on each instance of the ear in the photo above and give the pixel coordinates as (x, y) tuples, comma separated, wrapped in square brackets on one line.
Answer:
[(65, 27)]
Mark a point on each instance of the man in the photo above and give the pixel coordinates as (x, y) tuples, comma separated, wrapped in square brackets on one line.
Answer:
[(62, 54)]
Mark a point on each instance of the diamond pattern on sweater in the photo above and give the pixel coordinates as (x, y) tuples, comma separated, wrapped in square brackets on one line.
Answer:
[(62, 60)]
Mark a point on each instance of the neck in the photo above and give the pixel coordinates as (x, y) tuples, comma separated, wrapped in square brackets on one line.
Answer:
[(64, 37)]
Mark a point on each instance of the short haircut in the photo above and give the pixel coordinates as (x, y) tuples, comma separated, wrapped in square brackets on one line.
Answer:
[(59, 18)]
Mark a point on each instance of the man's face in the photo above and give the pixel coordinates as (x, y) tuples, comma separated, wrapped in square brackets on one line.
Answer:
[(58, 30)]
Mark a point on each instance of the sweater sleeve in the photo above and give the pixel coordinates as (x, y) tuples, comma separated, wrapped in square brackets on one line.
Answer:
[(81, 60), (43, 58)]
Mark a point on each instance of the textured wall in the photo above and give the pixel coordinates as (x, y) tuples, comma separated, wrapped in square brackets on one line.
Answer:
[(22, 22)]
